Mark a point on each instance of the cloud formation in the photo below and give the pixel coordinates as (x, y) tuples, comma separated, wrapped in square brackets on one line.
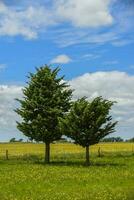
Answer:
[(73, 22), (24, 19), (61, 59), (86, 13), (7, 105)]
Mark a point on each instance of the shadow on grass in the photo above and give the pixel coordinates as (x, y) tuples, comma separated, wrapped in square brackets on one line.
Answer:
[(104, 161), (24, 159), (80, 164)]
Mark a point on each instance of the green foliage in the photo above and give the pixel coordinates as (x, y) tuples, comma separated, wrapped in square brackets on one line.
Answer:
[(88, 122), (46, 99), (12, 140), (130, 140)]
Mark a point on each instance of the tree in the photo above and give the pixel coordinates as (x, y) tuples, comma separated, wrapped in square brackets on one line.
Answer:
[(12, 140), (130, 140), (88, 122), (20, 140), (46, 100)]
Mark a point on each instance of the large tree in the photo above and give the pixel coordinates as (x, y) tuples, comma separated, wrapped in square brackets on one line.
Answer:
[(46, 99), (88, 122)]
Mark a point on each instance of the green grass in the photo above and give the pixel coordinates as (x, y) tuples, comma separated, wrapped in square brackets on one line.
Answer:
[(110, 177)]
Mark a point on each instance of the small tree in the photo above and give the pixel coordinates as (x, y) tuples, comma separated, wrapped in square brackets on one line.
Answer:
[(20, 140), (46, 99), (12, 140), (130, 140), (88, 122)]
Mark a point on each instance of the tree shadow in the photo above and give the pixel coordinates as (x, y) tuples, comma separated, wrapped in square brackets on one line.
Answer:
[(62, 163), (108, 164), (23, 159), (58, 161), (80, 164)]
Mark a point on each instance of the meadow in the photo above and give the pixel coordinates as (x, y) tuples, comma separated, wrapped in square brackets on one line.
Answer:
[(25, 176)]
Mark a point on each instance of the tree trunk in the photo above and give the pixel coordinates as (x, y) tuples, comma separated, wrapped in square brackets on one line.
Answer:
[(87, 156), (47, 152)]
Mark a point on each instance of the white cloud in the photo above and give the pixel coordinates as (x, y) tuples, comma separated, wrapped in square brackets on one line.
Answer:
[(61, 59), (85, 13), (23, 21), (7, 105), (116, 86)]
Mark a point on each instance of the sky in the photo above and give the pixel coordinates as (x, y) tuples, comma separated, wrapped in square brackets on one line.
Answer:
[(92, 41)]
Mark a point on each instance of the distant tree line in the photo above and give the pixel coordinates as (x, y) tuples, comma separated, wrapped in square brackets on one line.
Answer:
[(116, 139), (67, 140), (15, 140), (112, 139), (130, 140)]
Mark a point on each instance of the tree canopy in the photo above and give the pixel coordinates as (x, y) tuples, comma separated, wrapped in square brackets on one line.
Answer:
[(46, 99), (88, 122)]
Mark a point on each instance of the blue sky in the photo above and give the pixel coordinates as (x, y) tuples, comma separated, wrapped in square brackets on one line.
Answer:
[(92, 42)]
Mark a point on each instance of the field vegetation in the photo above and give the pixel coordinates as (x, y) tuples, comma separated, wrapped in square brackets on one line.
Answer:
[(25, 176), (22, 148)]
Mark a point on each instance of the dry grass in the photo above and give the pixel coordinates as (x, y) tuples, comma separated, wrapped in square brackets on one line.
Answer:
[(15, 149)]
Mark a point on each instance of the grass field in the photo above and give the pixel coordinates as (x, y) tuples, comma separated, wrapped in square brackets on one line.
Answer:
[(24, 176)]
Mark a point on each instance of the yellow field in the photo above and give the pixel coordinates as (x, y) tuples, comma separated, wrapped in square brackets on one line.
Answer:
[(15, 149)]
